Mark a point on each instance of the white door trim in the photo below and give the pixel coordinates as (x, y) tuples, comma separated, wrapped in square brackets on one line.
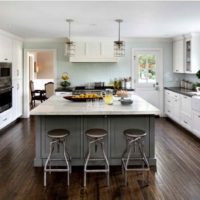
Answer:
[(26, 111), (160, 51)]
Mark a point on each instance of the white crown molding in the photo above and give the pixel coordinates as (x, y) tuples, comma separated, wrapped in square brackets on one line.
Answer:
[(97, 38), (45, 40), (10, 35)]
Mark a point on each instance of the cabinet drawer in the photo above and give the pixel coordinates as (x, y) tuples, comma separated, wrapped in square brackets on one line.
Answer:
[(168, 109), (195, 123), (175, 95), (5, 118), (186, 105), (168, 93), (186, 121)]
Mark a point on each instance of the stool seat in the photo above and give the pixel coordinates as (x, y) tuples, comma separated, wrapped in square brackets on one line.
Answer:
[(96, 133), (57, 137), (96, 139), (58, 133), (134, 133)]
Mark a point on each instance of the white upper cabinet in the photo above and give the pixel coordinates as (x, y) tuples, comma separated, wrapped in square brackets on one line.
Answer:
[(6, 49), (178, 55), (17, 59), (186, 51), (94, 51), (192, 52)]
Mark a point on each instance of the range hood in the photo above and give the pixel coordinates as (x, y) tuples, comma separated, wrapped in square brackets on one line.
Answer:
[(94, 51)]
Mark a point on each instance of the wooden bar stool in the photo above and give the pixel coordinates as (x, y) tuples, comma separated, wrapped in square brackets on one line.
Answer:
[(134, 137), (96, 136), (58, 136)]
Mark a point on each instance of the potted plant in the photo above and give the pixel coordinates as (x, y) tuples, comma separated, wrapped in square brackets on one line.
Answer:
[(65, 80), (197, 85)]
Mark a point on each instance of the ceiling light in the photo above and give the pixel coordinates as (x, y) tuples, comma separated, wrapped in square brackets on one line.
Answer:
[(119, 46), (70, 45)]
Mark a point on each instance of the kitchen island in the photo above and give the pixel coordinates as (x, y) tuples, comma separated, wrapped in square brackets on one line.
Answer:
[(77, 117)]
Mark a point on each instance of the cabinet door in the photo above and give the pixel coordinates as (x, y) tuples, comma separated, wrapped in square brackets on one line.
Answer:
[(73, 124), (93, 49), (195, 52), (186, 105), (17, 59), (178, 56), (95, 122), (195, 123), (17, 98), (5, 49), (107, 49), (118, 140)]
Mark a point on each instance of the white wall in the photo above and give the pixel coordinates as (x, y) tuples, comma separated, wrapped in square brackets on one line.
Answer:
[(81, 73)]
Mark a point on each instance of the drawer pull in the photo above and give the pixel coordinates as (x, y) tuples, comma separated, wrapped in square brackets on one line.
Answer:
[(199, 116), (185, 122), (5, 119), (169, 101), (168, 111)]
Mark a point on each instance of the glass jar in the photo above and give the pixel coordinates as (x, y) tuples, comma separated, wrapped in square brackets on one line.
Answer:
[(108, 97)]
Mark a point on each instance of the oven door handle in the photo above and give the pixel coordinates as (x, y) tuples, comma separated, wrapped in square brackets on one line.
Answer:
[(5, 89)]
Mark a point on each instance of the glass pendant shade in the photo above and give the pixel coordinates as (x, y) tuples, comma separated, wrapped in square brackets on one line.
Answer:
[(119, 46), (70, 46)]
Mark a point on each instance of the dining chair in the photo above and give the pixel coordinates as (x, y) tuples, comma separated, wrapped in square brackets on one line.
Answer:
[(49, 89), (36, 95)]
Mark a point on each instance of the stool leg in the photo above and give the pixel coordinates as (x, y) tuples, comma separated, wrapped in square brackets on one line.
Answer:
[(66, 162), (85, 166), (68, 156), (141, 148), (107, 163), (46, 163), (127, 161)]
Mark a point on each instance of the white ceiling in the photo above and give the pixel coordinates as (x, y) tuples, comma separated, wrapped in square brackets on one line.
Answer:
[(141, 19)]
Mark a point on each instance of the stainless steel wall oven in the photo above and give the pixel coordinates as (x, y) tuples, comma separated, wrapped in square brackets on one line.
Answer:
[(5, 86)]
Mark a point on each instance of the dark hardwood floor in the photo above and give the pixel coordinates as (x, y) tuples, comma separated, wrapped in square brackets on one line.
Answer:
[(177, 176)]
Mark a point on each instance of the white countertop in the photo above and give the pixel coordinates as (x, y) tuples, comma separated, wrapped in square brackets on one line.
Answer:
[(57, 105)]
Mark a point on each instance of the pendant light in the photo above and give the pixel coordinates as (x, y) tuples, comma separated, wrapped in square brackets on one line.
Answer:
[(119, 46), (70, 45)]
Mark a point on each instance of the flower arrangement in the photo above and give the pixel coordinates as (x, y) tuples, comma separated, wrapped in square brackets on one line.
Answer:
[(65, 80)]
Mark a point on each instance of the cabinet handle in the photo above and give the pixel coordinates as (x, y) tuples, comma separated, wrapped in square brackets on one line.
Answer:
[(5, 119), (6, 59), (185, 122), (185, 97), (17, 72), (199, 116), (177, 70), (168, 101), (17, 86), (168, 111)]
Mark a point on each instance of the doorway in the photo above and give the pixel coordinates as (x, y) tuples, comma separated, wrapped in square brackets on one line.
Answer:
[(39, 67), (148, 75)]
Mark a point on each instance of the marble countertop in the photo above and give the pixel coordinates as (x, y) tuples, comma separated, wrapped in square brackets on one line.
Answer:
[(57, 105)]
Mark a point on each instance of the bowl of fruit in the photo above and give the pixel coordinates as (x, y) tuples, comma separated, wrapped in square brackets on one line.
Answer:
[(83, 97)]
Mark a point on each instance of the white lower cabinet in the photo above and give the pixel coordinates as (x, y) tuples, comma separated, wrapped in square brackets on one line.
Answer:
[(6, 118), (179, 108), (17, 99), (196, 123), (172, 105)]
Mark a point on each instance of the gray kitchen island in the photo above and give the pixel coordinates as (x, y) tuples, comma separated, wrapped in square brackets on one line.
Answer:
[(77, 117)]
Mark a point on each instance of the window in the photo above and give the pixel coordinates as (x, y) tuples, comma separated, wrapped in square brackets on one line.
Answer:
[(146, 68)]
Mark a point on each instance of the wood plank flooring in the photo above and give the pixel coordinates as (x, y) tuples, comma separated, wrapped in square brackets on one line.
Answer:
[(177, 176)]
